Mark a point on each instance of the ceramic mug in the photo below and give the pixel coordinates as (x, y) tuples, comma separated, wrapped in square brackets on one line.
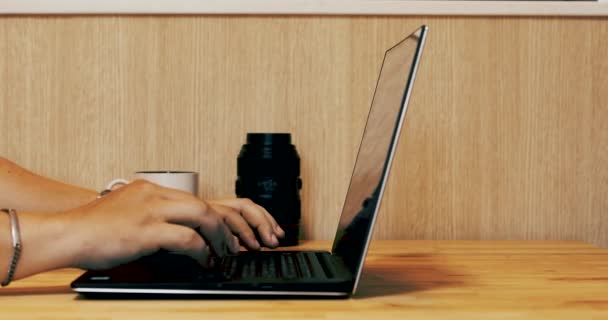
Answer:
[(181, 180)]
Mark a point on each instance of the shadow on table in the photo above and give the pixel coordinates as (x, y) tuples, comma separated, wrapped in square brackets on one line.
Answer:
[(26, 291), (393, 275)]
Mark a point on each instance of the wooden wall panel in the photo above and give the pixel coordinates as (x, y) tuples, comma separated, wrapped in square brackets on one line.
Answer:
[(506, 137)]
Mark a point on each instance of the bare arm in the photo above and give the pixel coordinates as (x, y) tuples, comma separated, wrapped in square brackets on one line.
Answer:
[(135, 220), (47, 244), (23, 190)]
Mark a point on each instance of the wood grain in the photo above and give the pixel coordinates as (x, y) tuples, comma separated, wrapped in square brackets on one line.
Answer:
[(506, 136), (402, 280)]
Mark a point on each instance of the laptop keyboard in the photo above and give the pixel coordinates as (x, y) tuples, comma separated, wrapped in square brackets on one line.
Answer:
[(272, 265), (264, 265)]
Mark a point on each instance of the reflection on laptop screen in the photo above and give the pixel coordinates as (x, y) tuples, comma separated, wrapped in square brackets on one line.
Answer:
[(371, 166)]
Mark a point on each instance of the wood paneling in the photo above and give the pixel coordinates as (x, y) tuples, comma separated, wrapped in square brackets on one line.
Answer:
[(506, 137)]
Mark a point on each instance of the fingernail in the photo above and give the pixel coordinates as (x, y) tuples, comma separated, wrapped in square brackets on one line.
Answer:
[(274, 239), (237, 246)]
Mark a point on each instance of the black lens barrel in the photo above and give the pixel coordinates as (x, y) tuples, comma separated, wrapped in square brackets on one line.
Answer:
[(268, 172)]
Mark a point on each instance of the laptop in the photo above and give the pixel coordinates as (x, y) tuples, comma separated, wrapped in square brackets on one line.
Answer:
[(291, 273)]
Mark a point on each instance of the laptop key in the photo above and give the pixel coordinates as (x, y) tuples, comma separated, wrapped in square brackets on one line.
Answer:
[(249, 270), (303, 266), (327, 264), (288, 269), (269, 269), (316, 268)]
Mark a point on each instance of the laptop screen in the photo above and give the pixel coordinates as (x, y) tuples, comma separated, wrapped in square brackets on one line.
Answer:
[(376, 150)]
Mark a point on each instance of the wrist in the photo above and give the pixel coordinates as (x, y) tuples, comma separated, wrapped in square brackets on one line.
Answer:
[(15, 245), (48, 244), (71, 238)]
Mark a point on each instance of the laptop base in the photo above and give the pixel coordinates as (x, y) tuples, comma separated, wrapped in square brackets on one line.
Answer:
[(164, 274)]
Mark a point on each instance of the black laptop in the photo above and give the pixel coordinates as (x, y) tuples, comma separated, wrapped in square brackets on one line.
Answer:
[(292, 273)]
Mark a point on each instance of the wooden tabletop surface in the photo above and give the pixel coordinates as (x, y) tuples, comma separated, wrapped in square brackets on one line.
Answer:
[(402, 280)]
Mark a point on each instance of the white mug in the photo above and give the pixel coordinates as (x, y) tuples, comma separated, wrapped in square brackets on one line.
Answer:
[(182, 180)]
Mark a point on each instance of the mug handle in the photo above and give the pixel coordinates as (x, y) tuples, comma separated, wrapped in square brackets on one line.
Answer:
[(116, 182), (110, 187)]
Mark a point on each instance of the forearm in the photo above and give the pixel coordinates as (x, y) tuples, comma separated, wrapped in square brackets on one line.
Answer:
[(23, 190), (47, 244)]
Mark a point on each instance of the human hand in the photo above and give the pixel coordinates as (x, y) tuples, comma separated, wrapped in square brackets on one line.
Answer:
[(243, 216), (142, 218)]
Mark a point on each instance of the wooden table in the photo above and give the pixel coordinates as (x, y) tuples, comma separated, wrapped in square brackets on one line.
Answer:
[(402, 280)]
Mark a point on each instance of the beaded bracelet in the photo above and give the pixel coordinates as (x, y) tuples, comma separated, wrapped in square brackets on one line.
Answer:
[(16, 237)]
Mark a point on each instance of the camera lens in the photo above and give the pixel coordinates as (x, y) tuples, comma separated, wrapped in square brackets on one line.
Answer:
[(268, 173)]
